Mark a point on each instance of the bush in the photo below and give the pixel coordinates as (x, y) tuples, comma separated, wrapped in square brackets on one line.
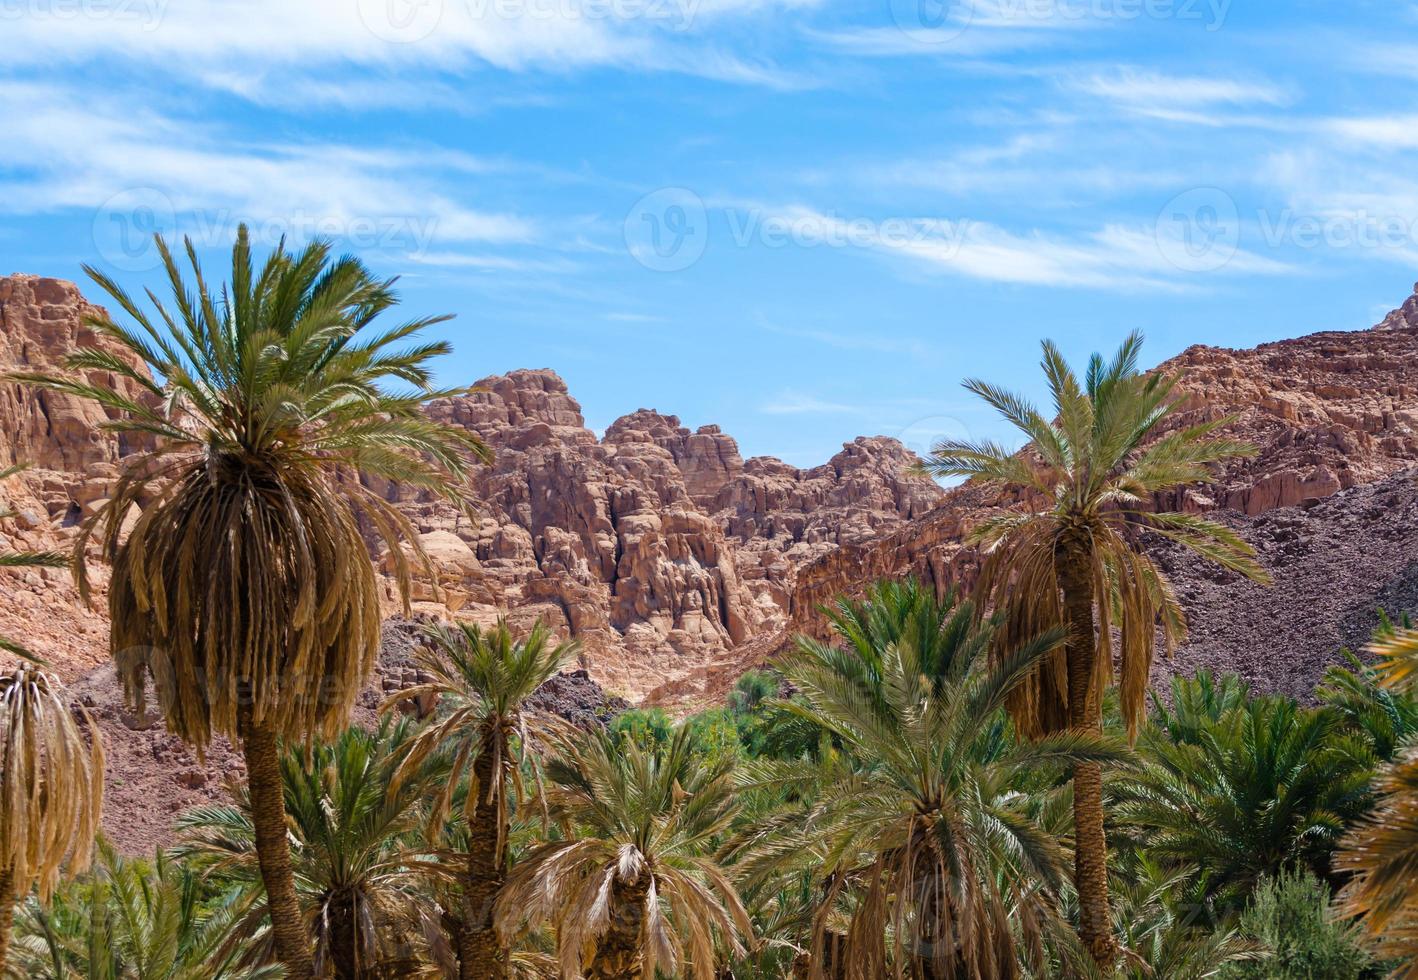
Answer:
[(1290, 917), (646, 726)]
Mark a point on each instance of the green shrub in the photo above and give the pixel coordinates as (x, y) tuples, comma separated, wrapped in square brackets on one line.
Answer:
[(752, 690), (1290, 917), (647, 726)]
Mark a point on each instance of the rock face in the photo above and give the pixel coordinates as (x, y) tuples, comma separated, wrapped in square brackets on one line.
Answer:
[(677, 563), (1403, 318), (658, 548), (1335, 564), (41, 322), (1330, 413)]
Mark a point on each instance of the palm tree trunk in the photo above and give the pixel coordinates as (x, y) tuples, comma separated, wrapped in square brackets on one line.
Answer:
[(480, 955), (268, 815), (7, 913), (344, 937), (618, 954), (1090, 848)]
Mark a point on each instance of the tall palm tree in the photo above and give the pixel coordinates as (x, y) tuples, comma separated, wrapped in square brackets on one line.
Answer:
[(135, 919), (1070, 556), (930, 862), (51, 790), (245, 588), (1382, 851), (25, 559), (483, 678), (357, 863), (632, 888)]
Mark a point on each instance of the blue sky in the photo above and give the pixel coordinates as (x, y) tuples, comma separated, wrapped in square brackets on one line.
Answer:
[(803, 220)]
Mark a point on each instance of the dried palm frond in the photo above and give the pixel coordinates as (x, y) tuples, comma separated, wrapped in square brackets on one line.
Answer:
[(1089, 479), (928, 863), (1382, 851), (633, 884), (51, 783), (245, 588)]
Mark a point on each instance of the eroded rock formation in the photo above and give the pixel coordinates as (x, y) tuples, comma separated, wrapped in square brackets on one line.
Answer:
[(660, 549)]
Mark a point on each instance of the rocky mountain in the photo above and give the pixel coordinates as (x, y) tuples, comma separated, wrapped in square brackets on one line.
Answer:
[(659, 548), (678, 564), (1335, 418)]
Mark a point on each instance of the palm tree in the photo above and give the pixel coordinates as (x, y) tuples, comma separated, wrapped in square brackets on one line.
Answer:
[(483, 679), (632, 888), (930, 861), (1165, 933), (25, 559), (245, 588), (1382, 851), (51, 790), (1267, 786), (1385, 716), (357, 863), (1070, 556), (137, 919)]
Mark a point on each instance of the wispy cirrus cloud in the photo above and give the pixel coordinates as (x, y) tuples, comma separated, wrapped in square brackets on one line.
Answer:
[(266, 50), (1119, 257), (1392, 132), (173, 174)]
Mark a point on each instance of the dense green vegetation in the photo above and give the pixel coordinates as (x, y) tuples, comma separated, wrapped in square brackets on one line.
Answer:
[(942, 787), (867, 807)]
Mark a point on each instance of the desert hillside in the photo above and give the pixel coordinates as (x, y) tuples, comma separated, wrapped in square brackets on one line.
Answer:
[(673, 559), (679, 564)]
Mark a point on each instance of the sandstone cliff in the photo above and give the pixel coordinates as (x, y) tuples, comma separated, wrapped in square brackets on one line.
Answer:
[(1330, 412), (678, 563), (661, 549)]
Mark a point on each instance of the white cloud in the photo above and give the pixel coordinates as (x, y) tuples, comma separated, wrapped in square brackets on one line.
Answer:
[(1154, 90), (1118, 257), (1398, 132), (271, 51), (63, 152)]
